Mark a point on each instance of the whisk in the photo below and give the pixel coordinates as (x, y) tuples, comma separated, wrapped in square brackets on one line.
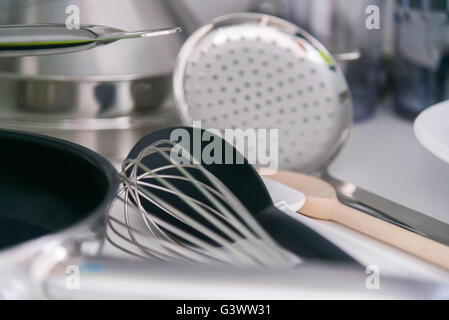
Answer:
[(178, 208), (182, 212)]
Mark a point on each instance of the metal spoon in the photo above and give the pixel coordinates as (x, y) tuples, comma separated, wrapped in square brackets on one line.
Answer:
[(322, 203), (44, 39)]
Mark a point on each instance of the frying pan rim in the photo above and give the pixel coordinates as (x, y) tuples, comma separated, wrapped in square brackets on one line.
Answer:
[(99, 212)]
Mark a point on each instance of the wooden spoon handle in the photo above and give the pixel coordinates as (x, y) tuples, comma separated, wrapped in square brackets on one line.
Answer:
[(411, 242)]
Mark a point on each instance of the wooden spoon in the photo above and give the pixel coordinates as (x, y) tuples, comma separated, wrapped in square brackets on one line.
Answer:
[(322, 203)]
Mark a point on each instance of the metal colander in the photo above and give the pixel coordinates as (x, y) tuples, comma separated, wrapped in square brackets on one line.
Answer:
[(251, 70)]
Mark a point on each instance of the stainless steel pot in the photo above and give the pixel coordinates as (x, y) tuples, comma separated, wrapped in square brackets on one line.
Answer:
[(118, 80), (106, 98)]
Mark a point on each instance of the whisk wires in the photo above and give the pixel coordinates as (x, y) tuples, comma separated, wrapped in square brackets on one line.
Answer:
[(224, 231)]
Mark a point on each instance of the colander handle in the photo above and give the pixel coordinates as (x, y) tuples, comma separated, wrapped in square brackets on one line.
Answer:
[(348, 56)]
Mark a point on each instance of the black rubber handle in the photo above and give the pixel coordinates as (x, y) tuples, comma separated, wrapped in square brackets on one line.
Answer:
[(299, 239)]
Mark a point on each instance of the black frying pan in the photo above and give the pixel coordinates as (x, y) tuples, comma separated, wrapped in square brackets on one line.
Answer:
[(49, 186)]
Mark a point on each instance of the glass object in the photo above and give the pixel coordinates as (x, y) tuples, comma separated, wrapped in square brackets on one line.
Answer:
[(422, 55)]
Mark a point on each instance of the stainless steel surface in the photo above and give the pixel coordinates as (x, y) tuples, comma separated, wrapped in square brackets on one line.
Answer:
[(105, 116), (58, 102), (389, 211), (47, 39), (249, 70), (108, 82), (172, 281)]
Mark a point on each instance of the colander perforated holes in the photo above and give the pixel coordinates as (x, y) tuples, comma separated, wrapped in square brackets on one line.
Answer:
[(255, 76)]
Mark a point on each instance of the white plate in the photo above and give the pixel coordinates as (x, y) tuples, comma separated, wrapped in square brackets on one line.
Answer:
[(432, 130)]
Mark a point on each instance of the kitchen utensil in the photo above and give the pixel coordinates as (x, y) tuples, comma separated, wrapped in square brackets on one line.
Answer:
[(44, 221), (118, 62), (109, 82), (322, 203), (251, 70), (45, 39), (339, 25), (389, 211), (312, 125), (116, 92), (193, 216), (366, 250), (431, 130), (149, 167)]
